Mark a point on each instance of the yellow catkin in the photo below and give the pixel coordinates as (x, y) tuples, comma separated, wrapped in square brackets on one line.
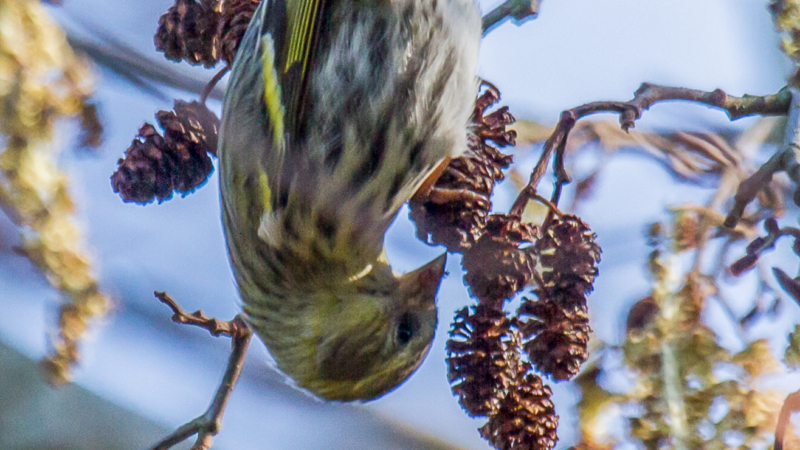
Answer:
[(786, 14), (42, 81)]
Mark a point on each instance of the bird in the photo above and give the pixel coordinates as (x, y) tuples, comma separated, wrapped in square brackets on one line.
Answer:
[(336, 113)]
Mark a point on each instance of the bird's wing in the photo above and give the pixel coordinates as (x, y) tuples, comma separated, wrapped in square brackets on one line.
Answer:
[(304, 23), (263, 103), (288, 31)]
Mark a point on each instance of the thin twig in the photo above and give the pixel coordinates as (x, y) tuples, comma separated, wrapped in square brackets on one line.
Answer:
[(750, 187), (736, 107), (644, 98), (551, 213), (208, 425), (790, 405), (517, 9), (552, 207), (234, 328), (761, 244), (785, 159), (213, 83)]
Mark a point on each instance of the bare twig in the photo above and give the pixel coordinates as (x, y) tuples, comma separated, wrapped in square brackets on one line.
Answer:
[(517, 9), (644, 98), (552, 207), (235, 328), (208, 425), (789, 284), (786, 159), (736, 107), (749, 188), (761, 244), (213, 83), (790, 405)]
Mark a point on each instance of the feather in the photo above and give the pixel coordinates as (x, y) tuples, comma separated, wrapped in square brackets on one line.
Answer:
[(303, 26), (272, 91)]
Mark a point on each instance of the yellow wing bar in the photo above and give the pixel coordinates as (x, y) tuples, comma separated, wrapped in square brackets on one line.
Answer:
[(272, 91)]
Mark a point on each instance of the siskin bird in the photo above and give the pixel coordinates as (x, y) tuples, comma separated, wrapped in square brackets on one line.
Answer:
[(336, 112)]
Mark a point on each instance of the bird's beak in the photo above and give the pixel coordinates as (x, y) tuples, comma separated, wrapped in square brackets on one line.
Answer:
[(427, 278)]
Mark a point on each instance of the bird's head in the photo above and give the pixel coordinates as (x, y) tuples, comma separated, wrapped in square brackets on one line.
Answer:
[(372, 333)]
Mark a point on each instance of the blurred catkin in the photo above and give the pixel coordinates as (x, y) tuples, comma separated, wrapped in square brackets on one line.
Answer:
[(41, 82), (673, 358), (786, 14)]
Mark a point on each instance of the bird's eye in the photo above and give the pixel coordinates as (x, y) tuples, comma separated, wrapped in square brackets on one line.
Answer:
[(405, 328)]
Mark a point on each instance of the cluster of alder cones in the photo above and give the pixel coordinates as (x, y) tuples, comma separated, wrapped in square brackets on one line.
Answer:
[(493, 357)]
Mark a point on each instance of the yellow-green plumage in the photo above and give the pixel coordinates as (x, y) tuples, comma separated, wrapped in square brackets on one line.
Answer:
[(336, 111)]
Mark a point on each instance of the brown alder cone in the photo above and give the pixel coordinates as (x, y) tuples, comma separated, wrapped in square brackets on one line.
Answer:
[(236, 14), (454, 213), (560, 337), (556, 326), (569, 255), (496, 267), (525, 419), (205, 31), (490, 379), (189, 31), (154, 166), (481, 356)]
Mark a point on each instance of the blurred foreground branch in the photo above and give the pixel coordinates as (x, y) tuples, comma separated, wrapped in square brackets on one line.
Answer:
[(141, 70), (791, 405)]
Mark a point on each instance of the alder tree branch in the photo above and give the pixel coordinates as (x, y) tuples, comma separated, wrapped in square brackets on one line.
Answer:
[(630, 111), (213, 83), (519, 10), (787, 159), (208, 425), (233, 328)]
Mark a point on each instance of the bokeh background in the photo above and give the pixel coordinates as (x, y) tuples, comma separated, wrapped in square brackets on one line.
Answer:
[(141, 375)]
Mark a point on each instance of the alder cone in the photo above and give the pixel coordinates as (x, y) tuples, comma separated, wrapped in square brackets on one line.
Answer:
[(557, 338), (455, 212), (155, 166), (236, 15), (526, 418), (481, 356), (188, 31), (569, 256), (496, 266)]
